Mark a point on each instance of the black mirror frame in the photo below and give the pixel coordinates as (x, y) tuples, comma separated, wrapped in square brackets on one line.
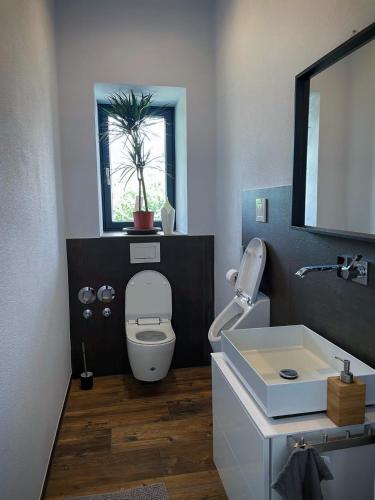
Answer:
[(301, 114)]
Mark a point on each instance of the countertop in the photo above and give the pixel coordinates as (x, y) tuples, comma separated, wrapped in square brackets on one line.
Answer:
[(283, 426)]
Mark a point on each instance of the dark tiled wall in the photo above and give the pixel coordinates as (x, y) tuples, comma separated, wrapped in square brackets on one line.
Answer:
[(187, 262), (341, 311)]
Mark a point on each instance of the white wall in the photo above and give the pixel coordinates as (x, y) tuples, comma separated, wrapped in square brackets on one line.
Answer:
[(34, 352), (163, 42), (261, 46)]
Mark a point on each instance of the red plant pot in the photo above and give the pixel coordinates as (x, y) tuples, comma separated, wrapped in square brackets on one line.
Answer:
[(143, 220)]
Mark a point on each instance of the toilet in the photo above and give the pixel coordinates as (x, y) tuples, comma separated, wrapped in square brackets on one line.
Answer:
[(150, 338), (249, 308)]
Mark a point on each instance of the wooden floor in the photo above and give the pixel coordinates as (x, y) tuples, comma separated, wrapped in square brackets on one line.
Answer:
[(124, 433)]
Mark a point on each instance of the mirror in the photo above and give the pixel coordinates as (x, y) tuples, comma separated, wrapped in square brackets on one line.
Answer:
[(334, 168)]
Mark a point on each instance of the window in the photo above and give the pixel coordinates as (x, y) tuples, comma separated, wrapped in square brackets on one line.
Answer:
[(119, 196)]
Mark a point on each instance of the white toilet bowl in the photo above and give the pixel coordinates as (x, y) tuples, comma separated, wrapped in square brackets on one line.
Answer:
[(150, 338), (249, 308)]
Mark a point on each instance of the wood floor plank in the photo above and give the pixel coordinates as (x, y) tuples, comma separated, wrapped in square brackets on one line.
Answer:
[(135, 436), (124, 433), (192, 486)]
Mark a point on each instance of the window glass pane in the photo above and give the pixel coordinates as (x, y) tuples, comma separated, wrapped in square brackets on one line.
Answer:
[(124, 188)]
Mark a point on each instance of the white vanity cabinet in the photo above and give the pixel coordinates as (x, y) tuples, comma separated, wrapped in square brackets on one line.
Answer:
[(250, 449)]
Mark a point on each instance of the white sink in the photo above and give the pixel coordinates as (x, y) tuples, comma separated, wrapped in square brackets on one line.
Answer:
[(258, 354)]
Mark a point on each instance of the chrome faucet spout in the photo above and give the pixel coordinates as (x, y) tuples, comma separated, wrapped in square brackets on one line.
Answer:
[(349, 268), (301, 273)]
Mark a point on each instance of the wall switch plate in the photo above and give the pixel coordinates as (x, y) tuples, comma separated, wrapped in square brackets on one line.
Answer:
[(261, 210)]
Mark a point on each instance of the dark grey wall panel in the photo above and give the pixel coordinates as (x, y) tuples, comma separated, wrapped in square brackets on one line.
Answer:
[(187, 262), (341, 311)]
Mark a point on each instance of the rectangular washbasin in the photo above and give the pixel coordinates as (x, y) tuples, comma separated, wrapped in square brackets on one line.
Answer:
[(258, 354)]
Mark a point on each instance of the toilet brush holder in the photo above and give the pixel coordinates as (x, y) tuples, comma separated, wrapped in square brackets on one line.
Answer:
[(87, 378)]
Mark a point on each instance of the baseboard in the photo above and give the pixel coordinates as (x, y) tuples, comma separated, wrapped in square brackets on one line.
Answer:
[(44, 487)]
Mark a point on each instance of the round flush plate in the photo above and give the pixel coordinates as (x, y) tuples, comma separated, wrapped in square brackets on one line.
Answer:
[(106, 294), (86, 295)]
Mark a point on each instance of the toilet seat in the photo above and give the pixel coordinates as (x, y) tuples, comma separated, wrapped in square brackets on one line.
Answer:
[(148, 308), (150, 334), (249, 308), (251, 270)]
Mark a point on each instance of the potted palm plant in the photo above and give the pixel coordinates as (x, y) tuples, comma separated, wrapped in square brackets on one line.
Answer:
[(129, 121)]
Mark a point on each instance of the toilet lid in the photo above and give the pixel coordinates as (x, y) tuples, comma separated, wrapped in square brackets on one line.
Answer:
[(148, 295), (251, 269)]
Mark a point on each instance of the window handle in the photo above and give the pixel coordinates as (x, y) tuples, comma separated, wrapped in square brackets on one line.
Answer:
[(108, 176)]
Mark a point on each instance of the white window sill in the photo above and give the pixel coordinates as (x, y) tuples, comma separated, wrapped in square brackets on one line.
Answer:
[(122, 234)]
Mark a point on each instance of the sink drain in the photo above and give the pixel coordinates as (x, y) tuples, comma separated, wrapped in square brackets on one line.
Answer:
[(288, 373)]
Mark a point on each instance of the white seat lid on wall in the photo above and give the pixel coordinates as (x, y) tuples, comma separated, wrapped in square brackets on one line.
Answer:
[(251, 269), (148, 294)]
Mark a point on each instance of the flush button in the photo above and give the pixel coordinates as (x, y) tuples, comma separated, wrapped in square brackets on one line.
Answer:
[(144, 252)]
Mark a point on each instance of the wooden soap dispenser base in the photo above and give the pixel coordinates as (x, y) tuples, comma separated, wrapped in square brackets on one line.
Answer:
[(346, 397)]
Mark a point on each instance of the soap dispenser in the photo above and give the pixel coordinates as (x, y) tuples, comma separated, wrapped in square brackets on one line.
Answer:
[(346, 397)]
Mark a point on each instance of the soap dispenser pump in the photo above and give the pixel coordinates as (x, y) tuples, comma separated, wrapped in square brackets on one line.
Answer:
[(346, 397), (346, 375)]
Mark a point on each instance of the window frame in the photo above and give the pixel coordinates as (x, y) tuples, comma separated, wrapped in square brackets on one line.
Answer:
[(168, 113)]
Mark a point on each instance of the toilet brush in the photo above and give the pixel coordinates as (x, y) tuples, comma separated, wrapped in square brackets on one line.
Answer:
[(87, 377)]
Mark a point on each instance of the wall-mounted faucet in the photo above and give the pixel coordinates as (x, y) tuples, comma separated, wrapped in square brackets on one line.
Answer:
[(301, 273), (349, 268)]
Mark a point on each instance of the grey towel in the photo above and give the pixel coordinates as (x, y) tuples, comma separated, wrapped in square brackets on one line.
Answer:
[(301, 476)]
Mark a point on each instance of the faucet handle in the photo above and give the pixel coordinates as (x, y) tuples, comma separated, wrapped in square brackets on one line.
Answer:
[(354, 261)]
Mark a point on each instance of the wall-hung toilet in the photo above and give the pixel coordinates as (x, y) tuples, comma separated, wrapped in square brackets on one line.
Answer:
[(249, 308), (150, 338)]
